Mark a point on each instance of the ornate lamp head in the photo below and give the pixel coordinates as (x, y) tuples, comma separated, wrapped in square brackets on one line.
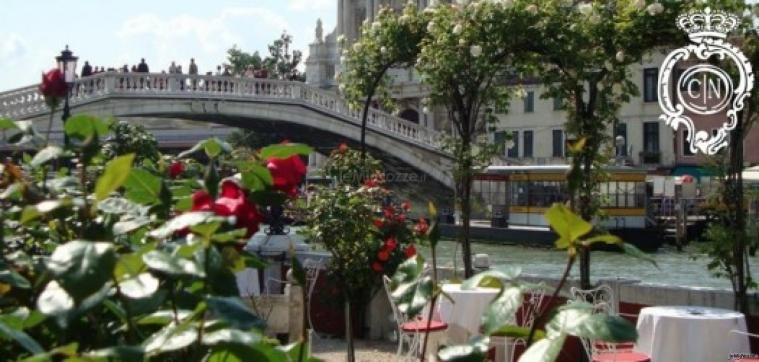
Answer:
[(707, 24)]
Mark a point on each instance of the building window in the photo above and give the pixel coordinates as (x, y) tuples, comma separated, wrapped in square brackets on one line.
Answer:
[(557, 103), (621, 131), (514, 151), (499, 139), (651, 136), (686, 144), (650, 78), (529, 102), (558, 143), (527, 148)]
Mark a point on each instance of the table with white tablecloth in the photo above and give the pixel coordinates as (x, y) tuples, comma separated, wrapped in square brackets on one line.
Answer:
[(464, 314), (690, 334)]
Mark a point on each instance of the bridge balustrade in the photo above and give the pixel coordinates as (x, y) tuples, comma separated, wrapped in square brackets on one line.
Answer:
[(24, 103)]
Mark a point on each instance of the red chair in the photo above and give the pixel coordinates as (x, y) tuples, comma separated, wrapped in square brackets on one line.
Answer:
[(602, 298), (410, 332), (620, 356)]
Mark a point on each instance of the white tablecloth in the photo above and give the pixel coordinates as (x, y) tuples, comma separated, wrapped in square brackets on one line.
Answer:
[(465, 313), (690, 334), (247, 282)]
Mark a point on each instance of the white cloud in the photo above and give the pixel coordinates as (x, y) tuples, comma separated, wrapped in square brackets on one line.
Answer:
[(309, 5), (164, 39), (12, 47)]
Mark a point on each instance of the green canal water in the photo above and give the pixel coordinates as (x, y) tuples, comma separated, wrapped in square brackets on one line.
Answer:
[(675, 268)]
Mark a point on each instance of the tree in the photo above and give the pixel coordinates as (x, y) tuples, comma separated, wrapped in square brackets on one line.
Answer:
[(730, 237), (132, 138), (462, 54), (239, 60), (283, 63)]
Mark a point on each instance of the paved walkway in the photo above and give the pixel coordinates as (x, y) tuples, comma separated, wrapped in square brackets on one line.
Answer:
[(333, 350)]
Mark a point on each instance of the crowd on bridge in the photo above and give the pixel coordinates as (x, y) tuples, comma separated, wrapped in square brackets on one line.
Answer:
[(174, 68), (162, 82)]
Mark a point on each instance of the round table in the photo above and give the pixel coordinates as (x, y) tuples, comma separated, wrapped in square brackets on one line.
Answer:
[(465, 313), (690, 334)]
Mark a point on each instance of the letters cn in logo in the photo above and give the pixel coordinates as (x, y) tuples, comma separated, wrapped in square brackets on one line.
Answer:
[(702, 88)]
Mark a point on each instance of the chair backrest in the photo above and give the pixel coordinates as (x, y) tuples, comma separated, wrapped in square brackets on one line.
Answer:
[(399, 317), (602, 298), (531, 306)]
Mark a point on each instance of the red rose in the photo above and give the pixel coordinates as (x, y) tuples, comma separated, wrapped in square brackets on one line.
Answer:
[(383, 255), (406, 205), (232, 201), (410, 251), (421, 227), (401, 218), (391, 244), (377, 267), (53, 86), (378, 223), (388, 212), (287, 173), (342, 148), (175, 169)]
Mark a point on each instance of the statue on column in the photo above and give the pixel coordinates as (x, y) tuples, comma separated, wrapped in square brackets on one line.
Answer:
[(319, 31)]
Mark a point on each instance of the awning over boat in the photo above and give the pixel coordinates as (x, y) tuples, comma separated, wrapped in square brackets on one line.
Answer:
[(695, 171)]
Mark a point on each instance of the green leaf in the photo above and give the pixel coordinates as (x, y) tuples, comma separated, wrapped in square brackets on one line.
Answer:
[(172, 264), (83, 127), (54, 300), (212, 147), (118, 353), (180, 222), (13, 278), (256, 178), (231, 336), (21, 338), (6, 124), (82, 267), (411, 289), (501, 311), (115, 174), (633, 251), (234, 312), (206, 230), (117, 206), (603, 238), (473, 351), (45, 155), (567, 224), (544, 350), (211, 180), (142, 187), (163, 317), (285, 150), (498, 274), (141, 286), (171, 338), (518, 332)]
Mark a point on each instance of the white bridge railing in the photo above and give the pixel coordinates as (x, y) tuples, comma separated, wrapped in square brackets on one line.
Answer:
[(24, 103)]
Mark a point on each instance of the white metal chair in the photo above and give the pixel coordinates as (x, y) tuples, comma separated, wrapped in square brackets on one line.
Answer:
[(410, 331), (524, 317), (602, 298), (313, 268), (749, 335)]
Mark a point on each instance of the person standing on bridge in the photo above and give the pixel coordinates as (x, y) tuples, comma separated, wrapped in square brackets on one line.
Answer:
[(143, 67), (173, 68), (193, 73), (86, 69)]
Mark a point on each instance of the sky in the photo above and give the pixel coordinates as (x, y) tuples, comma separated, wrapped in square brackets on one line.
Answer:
[(110, 33)]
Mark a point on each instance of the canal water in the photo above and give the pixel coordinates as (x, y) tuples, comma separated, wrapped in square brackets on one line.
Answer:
[(675, 268)]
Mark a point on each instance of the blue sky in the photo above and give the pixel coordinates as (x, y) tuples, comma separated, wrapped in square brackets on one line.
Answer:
[(114, 33)]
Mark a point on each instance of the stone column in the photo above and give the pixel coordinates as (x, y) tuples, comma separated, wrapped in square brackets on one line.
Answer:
[(340, 27), (348, 21), (370, 10)]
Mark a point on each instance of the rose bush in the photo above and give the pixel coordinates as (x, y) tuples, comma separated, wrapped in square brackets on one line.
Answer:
[(95, 264)]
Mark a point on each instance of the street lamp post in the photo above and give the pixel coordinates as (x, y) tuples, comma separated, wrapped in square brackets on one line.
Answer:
[(67, 66)]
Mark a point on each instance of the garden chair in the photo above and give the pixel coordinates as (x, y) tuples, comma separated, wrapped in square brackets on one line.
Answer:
[(525, 317), (312, 268), (602, 298), (410, 332), (750, 335)]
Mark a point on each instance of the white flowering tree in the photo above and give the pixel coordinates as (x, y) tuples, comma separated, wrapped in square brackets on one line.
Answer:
[(364, 79), (462, 53)]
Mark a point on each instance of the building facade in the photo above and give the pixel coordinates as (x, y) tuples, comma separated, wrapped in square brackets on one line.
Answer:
[(536, 124)]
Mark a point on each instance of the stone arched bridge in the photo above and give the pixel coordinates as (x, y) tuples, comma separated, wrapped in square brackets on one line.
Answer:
[(302, 112)]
